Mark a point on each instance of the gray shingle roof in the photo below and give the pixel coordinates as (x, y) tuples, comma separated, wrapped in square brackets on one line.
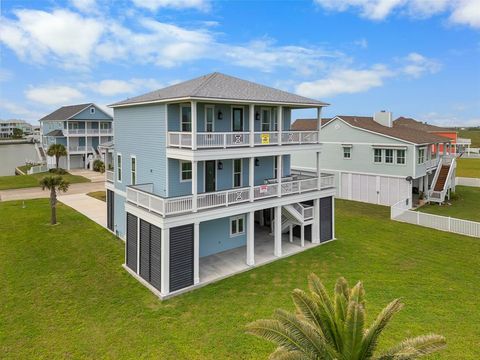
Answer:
[(418, 125), (55, 133), (65, 112), (221, 86)]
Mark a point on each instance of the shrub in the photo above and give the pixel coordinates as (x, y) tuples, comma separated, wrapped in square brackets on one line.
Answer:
[(58, 171), (98, 165)]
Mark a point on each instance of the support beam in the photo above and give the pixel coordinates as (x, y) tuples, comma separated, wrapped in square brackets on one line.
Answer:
[(278, 232), (194, 124), (319, 122), (302, 235), (280, 124), (196, 252), (316, 222), (251, 238), (194, 185), (333, 217), (251, 176), (290, 233), (251, 124), (319, 171), (279, 174), (165, 262)]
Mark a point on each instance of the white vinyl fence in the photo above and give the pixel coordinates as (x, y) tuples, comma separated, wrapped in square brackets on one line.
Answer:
[(400, 212), (37, 169), (475, 182)]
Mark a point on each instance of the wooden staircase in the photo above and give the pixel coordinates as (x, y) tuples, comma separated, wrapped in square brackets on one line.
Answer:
[(442, 178)]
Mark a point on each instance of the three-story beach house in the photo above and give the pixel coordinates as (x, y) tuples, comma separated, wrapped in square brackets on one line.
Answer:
[(81, 129), (202, 187)]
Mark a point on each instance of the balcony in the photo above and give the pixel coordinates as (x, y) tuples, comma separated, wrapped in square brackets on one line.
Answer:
[(109, 176), (86, 132), (142, 196), (432, 163), (212, 140)]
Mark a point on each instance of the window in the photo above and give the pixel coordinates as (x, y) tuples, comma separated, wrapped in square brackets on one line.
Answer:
[(119, 167), (133, 169), (237, 173), (421, 156), (389, 156), (377, 155), (265, 119), (274, 120), (186, 118), (237, 119), (185, 171), (400, 156), (347, 152), (275, 166), (237, 225), (209, 119), (92, 110)]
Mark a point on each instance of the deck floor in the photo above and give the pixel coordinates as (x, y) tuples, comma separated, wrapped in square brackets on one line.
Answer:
[(226, 263)]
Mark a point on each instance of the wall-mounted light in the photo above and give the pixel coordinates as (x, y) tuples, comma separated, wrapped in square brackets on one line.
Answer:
[(220, 165), (257, 116), (220, 115), (257, 162)]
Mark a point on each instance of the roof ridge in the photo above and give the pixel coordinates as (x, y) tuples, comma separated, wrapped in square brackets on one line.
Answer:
[(204, 83)]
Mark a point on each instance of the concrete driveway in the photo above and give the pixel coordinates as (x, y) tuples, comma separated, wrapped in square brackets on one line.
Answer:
[(36, 192), (92, 208)]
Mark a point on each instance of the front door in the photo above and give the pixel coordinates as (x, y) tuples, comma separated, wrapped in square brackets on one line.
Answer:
[(237, 119), (210, 176)]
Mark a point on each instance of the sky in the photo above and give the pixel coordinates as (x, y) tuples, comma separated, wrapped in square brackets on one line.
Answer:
[(416, 58)]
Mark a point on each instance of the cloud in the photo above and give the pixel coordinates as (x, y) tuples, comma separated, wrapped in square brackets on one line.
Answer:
[(86, 6), (154, 5), (19, 111), (417, 65), (54, 95), (463, 12), (111, 87), (345, 81)]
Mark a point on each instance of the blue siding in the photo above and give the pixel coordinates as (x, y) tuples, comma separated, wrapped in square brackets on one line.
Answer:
[(119, 215), (215, 236), (51, 125), (61, 140), (85, 115), (140, 131)]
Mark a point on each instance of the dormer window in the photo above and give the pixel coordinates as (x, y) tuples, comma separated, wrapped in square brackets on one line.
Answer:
[(92, 110)]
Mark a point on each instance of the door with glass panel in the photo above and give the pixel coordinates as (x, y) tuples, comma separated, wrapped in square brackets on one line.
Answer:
[(237, 126)]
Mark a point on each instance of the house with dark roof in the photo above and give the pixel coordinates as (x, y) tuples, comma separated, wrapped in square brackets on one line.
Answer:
[(81, 129), (202, 186), (376, 162)]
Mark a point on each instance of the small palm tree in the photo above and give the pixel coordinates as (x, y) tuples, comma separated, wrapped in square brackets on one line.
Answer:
[(54, 184), (334, 328), (57, 150)]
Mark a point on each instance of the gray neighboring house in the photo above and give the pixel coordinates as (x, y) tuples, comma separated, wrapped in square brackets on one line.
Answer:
[(377, 163), (81, 129)]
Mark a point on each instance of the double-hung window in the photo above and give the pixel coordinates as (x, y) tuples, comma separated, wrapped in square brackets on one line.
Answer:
[(133, 169), (185, 171), (119, 167), (347, 152), (389, 156), (266, 119), (186, 118), (209, 118), (421, 156), (237, 173), (237, 225), (377, 156), (401, 157)]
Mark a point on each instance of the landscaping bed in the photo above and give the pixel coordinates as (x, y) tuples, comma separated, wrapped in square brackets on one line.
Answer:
[(65, 294), (99, 195)]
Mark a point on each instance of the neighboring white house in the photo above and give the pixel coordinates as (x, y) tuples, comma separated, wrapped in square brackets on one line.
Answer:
[(7, 127), (377, 163)]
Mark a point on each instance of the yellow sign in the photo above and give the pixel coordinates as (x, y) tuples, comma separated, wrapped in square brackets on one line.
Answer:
[(265, 139)]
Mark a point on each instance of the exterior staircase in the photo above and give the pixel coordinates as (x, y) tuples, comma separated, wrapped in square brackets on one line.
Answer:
[(442, 178), (297, 214), (443, 181)]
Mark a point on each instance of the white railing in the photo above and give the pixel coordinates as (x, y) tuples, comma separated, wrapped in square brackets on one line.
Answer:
[(305, 211), (74, 131), (399, 212), (37, 169), (439, 196), (144, 197), (106, 131), (77, 148), (207, 140), (463, 141), (464, 181), (109, 175), (432, 163)]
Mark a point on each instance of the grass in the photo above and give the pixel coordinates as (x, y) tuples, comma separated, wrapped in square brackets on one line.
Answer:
[(465, 204), (473, 134), (65, 295), (28, 181), (100, 195), (468, 168)]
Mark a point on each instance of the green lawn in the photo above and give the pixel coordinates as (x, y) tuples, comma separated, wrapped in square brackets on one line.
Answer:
[(468, 167), (27, 181), (64, 293), (100, 195), (465, 204), (473, 134)]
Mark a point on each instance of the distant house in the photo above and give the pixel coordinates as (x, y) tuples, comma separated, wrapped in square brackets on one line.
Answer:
[(7, 127), (378, 163), (457, 145), (81, 129)]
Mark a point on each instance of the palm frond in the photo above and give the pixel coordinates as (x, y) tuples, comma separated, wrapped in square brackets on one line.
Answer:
[(274, 331), (357, 294), (415, 347), (353, 330), (283, 354)]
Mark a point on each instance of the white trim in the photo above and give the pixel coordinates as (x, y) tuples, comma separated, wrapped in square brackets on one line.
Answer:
[(116, 168), (269, 109), (232, 107), (381, 156), (167, 172), (180, 162), (131, 170), (236, 219), (349, 152), (233, 174), (181, 117), (404, 157), (392, 157), (92, 108), (206, 107)]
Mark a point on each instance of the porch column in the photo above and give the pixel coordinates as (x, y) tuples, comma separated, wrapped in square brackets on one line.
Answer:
[(279, 175), (333, 217), (196, 252), (316, 222), (319, 122), (194, 124), (319, 172), (251, 239), (280, 124), (194, 185), (420, 184), (165, 262), (251, 177), (86, 144), (68, 153), (278, 232), (290, 233), (425, 185), (251, 124), (302, 235)]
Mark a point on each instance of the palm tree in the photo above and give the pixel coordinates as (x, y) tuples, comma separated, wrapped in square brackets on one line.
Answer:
[(325, 327), (54, 184), (57, 150)]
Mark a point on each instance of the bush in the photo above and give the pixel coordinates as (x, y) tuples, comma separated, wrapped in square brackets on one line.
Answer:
[(58, 171), (98, 165)]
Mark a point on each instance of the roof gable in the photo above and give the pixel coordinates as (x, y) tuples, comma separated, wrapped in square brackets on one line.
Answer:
[(69, 111)]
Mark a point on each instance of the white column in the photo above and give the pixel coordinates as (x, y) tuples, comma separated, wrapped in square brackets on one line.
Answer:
[(86, 144), (319, 122), (425, 185), (194, 185), (196, 252), (138, 245), (279, 174), (302, 235), (278, 232), (333, 217), (194, 125), (290, 233), (68, 151), (316, 222), (251, 124), (251, 238), (165, 262), (280, 124), (251, 176), (319, 171)]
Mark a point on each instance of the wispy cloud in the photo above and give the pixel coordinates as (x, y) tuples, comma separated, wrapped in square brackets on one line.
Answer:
[(155, 5), (54, 95)]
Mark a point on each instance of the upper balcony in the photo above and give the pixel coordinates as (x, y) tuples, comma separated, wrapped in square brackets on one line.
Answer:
[(88, 132)]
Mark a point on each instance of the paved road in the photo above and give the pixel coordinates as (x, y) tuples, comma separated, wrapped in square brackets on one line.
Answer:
[(35, 193), (92, 208)]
